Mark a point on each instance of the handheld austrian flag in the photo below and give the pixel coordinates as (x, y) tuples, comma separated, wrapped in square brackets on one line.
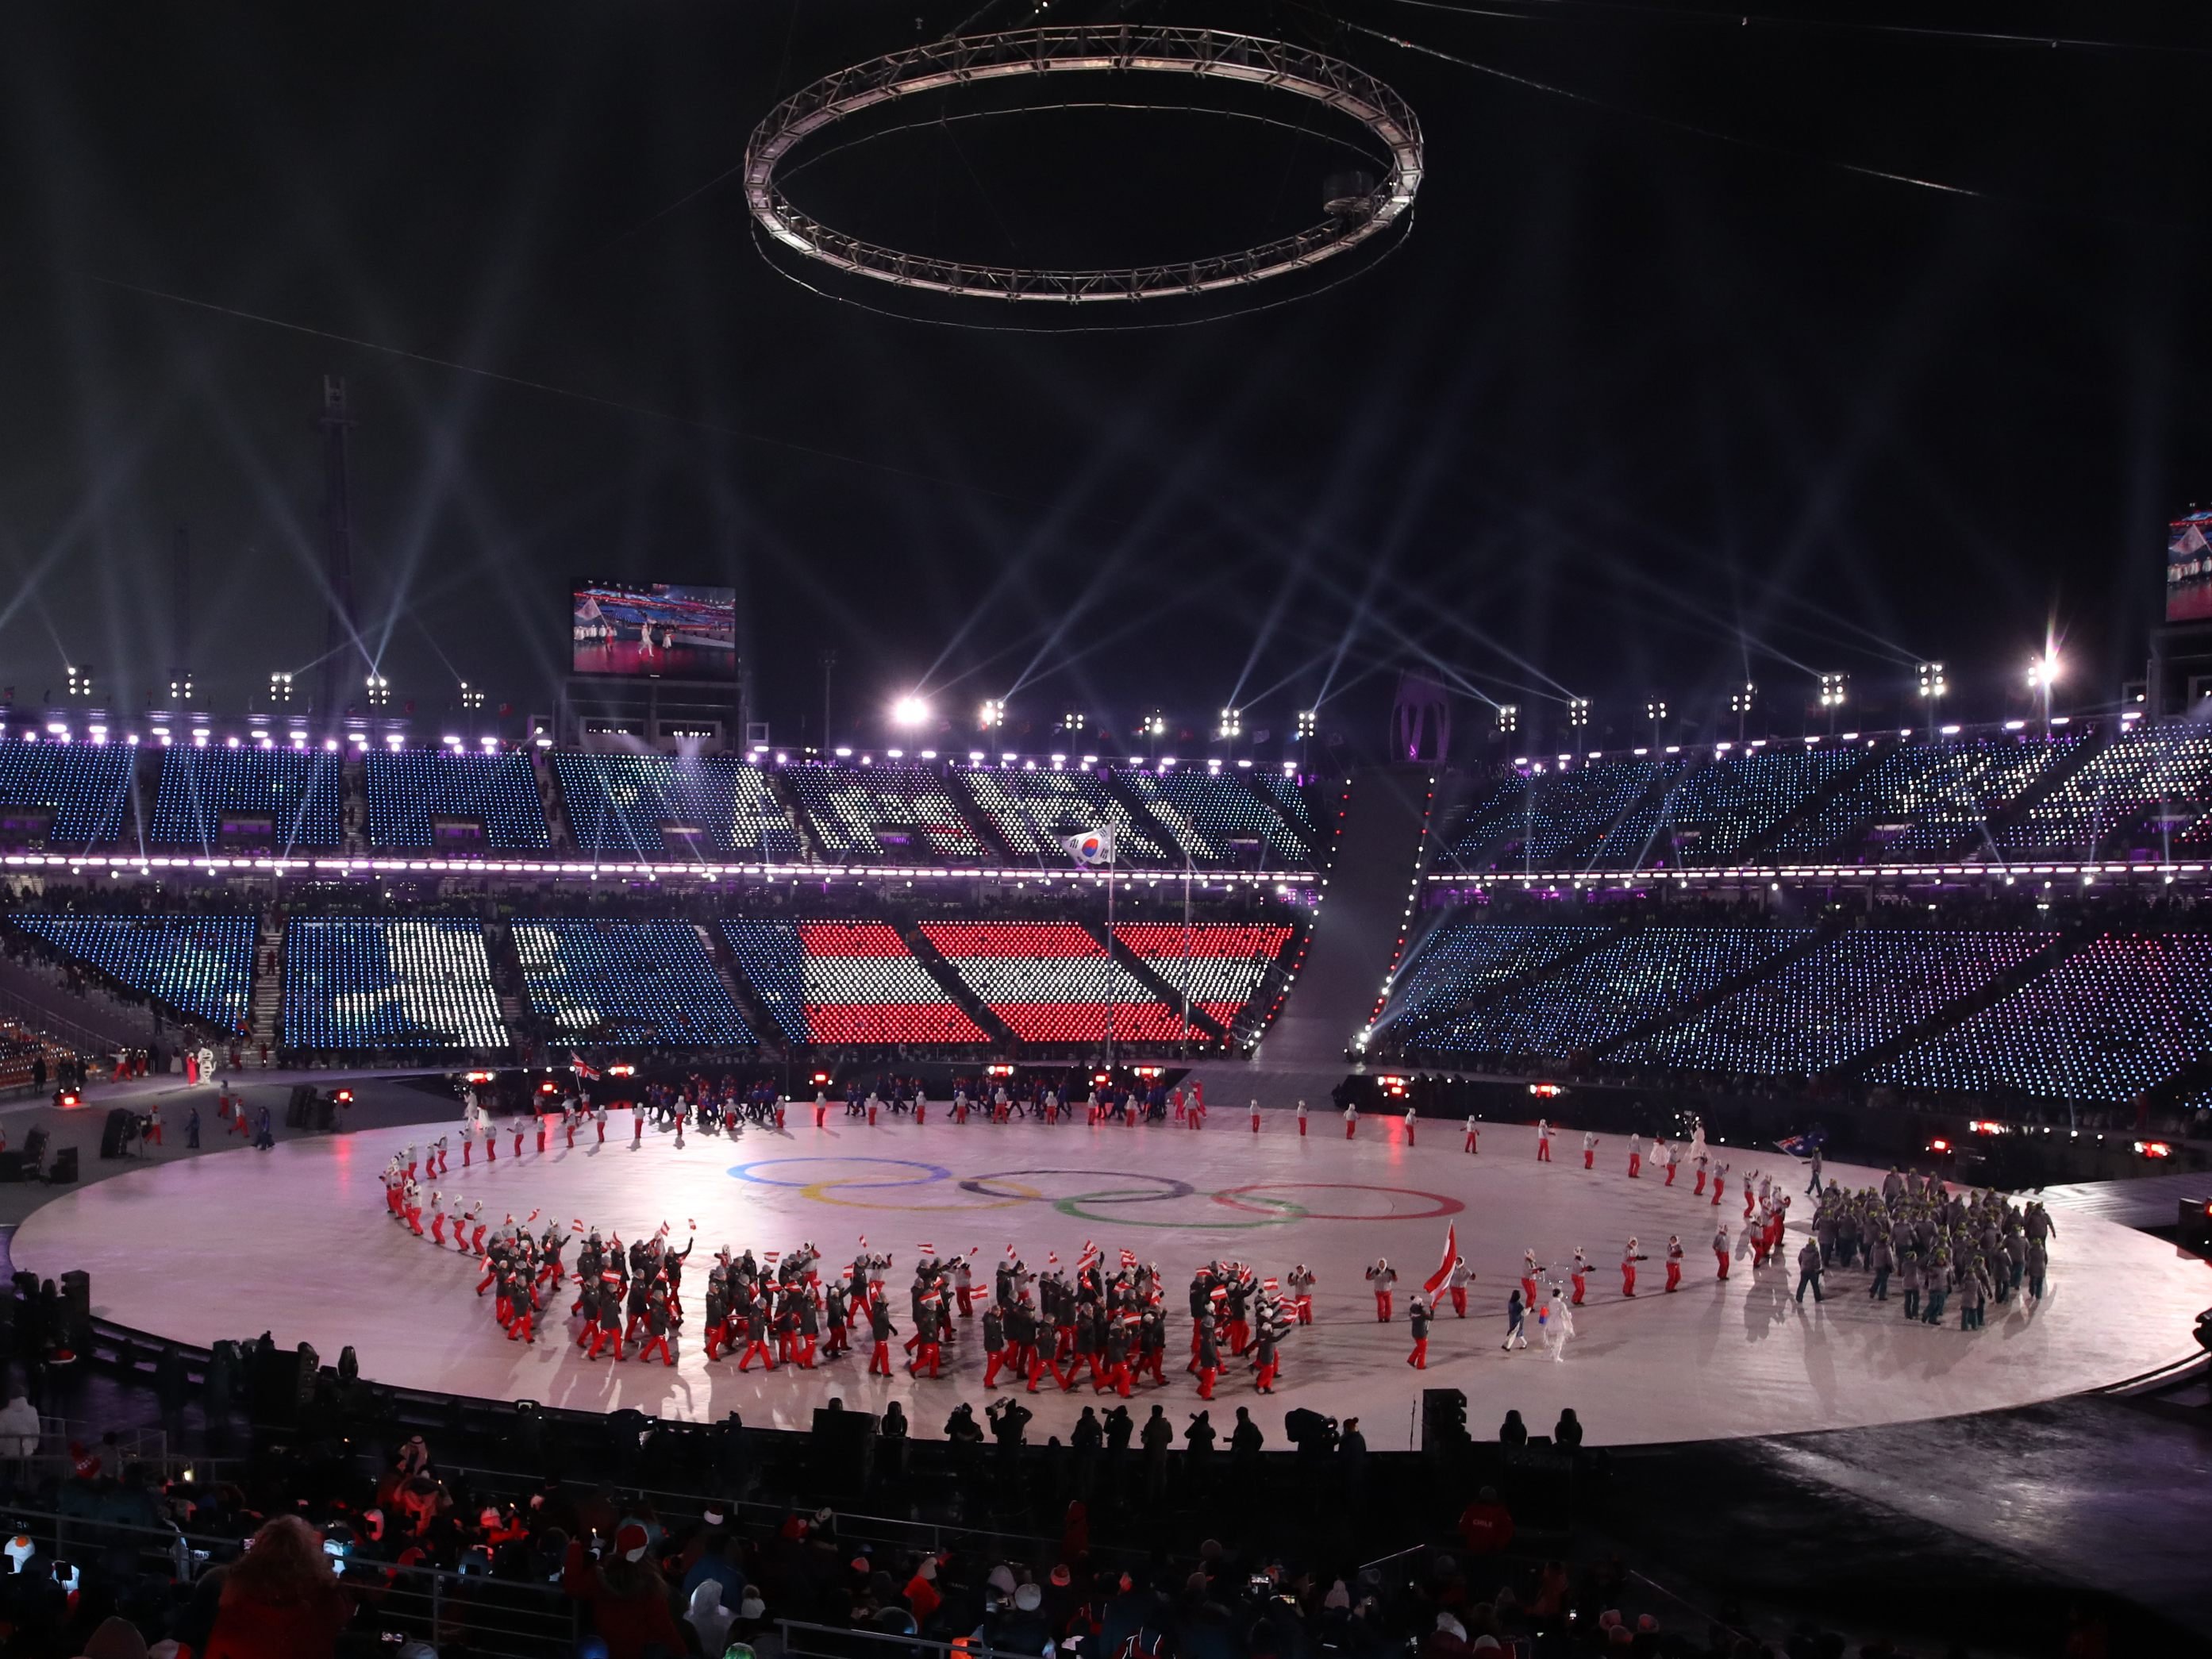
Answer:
[(1435, 1281)]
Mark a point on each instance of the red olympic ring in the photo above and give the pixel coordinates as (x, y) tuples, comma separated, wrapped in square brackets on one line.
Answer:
[(1445, 1206)]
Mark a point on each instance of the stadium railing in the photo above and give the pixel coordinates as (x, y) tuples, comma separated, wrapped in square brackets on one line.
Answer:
[(848, 1642), (508, 1618)]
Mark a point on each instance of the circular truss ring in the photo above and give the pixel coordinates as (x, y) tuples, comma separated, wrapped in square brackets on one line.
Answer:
[(1106, 48)]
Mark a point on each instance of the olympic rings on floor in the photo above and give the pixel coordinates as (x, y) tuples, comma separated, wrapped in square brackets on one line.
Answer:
[(1004, 1189), (1177, 1188), (1072, 1207), (819, 1192), (1445, 1206), (745, 1171)]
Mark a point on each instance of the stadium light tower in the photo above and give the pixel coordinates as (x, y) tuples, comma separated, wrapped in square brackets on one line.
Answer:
[(1739, 704), (1578, 712), (909, 711), (992, 716), (380, 691), (1932, 686), (1655, 712), (1074, 721), (80, 681), (1308, 723), (1834, 691), (1507, 719), (473, 696), (2042, 673), (280, 689)]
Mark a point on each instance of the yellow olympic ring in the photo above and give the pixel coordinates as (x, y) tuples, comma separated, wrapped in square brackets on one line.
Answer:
[(818, 1192)]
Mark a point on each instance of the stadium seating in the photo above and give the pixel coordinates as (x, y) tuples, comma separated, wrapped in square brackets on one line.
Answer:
[(626, 983), (86, 787), (1715, 814), (1223, 968), (1921, 800), (1648, 974), (1295, 802), (202, 790), (1051, 981), (1845, 997), (1216, 821), (884, 815), (619, 803), (2126, 1012), (1033, 811), (1464, 958), (2116, 797), (848, 982), (1541, 819), (378, 982), (408, 788), (199, 965)]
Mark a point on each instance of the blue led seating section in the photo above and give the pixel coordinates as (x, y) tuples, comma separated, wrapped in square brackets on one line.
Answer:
[(86, 787), (201, 790), (202, 965), (638, 806), (381, 982), (629, 983), (2126, 1012), (1848, 996), (411, 788)]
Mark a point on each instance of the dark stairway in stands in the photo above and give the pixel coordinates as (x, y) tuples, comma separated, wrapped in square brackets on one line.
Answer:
[(1383, 844)]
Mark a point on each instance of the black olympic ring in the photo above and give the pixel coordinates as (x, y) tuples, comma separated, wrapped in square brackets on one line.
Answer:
[(975, 1184)]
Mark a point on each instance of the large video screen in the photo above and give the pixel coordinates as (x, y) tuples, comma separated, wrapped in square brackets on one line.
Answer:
[(2188, 567), (655, 630)]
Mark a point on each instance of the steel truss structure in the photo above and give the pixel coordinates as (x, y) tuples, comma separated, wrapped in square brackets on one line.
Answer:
[(1110, 48)]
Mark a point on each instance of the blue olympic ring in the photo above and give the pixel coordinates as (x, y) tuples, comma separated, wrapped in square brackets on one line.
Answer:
[(745, 1171)]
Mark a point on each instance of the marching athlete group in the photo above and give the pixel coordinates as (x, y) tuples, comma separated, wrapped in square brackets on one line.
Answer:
[(1108, 1327)]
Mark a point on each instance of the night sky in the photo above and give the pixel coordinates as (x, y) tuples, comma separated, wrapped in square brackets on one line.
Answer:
[(1633, 411)]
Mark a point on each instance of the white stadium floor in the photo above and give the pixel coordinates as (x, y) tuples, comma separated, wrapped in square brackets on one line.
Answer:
[(298, 1241)]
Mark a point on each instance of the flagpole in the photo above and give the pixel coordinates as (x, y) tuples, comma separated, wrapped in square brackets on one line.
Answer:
[(1110, 961)]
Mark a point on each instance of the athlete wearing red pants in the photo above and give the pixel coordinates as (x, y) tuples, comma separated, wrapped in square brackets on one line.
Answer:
[(1721, 1249), (1629, 1258), (881, 1329), (1302, 1284), (1455, 1282), (1383, 1276), (1417, 1316), (1674, 1263), (1589, 1150), (1579, 1276), (1470, 1132), (1209, 1362)]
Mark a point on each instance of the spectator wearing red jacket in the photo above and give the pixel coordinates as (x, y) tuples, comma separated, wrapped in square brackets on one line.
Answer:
[(1485, 1526)]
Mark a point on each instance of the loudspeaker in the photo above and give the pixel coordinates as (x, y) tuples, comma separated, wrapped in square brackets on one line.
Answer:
[(64, 1169), (2196, 1225), (1444, 1420), (280, 1380), (842, 1449), (76, 1309), (115, 1135)]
